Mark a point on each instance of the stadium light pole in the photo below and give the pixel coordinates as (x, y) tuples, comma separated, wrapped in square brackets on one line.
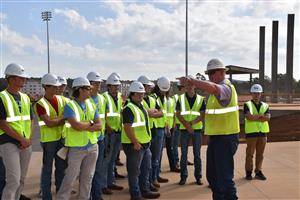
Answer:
[(186, 37), (46, 16)]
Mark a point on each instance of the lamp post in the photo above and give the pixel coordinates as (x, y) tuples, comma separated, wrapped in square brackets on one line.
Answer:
[(186, 37), (46, 16)]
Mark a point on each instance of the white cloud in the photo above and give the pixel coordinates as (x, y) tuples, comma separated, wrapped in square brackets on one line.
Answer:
[(145, 38)]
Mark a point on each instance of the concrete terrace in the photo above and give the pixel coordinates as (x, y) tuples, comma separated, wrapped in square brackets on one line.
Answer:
[(281, 166)]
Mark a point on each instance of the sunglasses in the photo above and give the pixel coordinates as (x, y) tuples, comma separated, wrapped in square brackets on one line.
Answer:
[(86, 88)]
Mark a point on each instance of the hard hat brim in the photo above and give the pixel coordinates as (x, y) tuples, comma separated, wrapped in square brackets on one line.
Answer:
[(226, 69)]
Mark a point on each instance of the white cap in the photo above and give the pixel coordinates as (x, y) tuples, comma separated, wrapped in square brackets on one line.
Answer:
[(136, 86), (15, 70), (80, 82), (145, 80), (163, 83), (256, 88), (50, 79), (113, 80), (94, 76), (215, 64), (62, 80)]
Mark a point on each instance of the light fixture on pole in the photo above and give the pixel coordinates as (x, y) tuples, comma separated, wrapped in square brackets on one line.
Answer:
[(46, 16)]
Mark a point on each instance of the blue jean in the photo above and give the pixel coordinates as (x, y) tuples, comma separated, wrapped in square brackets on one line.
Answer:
[(175, 143), (2, 176), (220, 166), (184, 140), (138, 165), (49, 155), (96, 190), (170, 150), (156, 150), (114, 144)]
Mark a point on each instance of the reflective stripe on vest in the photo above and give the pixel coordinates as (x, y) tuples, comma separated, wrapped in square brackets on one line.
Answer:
[(222, 110), (161, 121), (111, 112)]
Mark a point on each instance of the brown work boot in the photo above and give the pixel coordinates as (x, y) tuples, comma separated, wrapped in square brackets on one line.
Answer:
[(107, 191), (151, 195), (115, 187), (156, 184), (162, 180)]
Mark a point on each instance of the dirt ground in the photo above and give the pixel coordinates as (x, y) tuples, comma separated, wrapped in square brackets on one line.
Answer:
[(283, 128)]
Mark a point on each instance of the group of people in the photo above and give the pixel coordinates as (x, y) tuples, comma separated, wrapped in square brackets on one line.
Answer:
[(83, 134)]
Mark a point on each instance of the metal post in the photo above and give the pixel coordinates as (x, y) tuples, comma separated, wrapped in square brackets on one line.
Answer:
[(290, 56), (46, 16), (262, 55), (274, 61), (186, 37), (48, 47)]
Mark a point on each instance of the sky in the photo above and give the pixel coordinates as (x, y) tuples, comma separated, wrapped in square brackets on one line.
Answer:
[(147, 37)]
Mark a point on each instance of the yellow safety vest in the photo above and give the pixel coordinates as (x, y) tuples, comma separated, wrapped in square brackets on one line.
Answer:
[(152, 103), (50, 134), (190, 114), (222, 120), (170, 112), (161, 121), (138, 125), (176, 100), (256, 126), (101, 110), (113, 115), (19, 121), (74, 138)]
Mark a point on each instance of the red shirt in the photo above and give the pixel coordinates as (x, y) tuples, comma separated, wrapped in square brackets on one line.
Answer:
[(42, 111)]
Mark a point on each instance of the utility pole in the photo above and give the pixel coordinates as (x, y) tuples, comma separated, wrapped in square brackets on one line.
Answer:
[(186, 37)]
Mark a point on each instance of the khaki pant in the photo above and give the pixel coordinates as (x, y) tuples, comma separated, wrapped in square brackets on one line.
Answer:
[(16, 162), (255, 144), (80, 162)]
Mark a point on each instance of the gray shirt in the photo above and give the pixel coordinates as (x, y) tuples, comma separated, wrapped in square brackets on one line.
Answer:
[(225, 94)]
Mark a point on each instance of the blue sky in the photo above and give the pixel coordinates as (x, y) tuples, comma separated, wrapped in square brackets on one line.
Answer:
[(141, 37)]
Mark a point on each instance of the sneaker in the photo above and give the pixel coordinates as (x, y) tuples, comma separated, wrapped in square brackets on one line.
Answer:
[(153, 188), (151, 195), (107, 191), (156, 184), (199, 182), (162, 180), (182, 181), (259, 175), (23, 197), (115, 187), (248, 175)]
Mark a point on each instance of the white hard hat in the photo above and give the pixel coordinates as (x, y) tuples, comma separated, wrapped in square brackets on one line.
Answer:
[(80, 82), (136, 86), (94, 76), (145, 80), (50, 79), (256, 88), (116, 74), (113, 80), (62, 80), (215, 64), (15, 70), (163, 83)]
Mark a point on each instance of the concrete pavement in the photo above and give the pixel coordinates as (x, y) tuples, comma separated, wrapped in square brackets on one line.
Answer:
[(281, 166)]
